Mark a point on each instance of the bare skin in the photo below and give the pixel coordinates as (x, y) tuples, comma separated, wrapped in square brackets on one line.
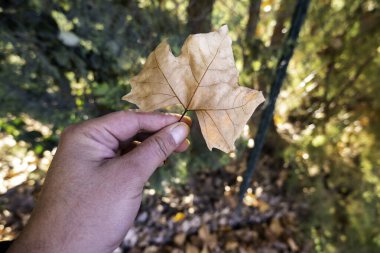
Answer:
[(93, 189)]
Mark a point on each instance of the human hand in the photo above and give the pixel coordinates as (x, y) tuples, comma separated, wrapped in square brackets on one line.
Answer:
[(93, 190)]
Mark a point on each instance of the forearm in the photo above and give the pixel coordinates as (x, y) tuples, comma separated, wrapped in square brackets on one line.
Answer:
[(43, 239), (43, 242), (57, 230)]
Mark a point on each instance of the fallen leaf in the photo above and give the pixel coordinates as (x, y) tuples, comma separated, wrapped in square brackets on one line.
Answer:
[(151, 249), (293, 245), (204, 79), (204, 250), (178, 217), (196, 241), (263, 206), (180, 238), (231, 245), (208, 238), (204, 233), (246, 250), (276, 227), (191, 248)]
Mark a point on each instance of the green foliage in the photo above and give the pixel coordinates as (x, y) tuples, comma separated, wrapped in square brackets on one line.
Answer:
[(330, 104)]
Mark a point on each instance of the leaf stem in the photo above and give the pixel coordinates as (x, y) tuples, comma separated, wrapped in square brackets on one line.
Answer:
[(183, 114)]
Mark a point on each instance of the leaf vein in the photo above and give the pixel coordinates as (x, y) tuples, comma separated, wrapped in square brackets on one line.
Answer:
[(204, 73), (216, 126), (221, 109), (159, 67)]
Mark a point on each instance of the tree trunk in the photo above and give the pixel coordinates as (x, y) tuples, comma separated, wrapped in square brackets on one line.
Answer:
[(199, 15), (283, 14), (253, 20)]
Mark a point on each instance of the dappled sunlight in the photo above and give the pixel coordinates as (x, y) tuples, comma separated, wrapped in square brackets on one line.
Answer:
[(22, 172), (16, 163)]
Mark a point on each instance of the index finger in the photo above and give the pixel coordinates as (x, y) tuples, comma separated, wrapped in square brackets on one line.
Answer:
[(123, 125)]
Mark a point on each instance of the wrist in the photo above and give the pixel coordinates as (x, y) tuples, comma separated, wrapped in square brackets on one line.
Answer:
[(37, 237), (26, 244)]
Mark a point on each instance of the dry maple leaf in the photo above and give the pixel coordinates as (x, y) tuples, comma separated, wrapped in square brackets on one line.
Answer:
[(203, 79)]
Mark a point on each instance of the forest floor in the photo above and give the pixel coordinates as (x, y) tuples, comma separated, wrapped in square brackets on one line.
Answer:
[(198, 217)]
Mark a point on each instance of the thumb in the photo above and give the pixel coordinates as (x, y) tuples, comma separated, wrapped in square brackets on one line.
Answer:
[(153, 151)]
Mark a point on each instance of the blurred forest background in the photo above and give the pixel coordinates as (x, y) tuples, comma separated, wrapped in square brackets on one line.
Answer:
[(316, 187)]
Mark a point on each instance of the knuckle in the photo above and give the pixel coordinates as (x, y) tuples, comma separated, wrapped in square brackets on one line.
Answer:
[(69, 131), (74, 130), (163, 145), (126, 113)]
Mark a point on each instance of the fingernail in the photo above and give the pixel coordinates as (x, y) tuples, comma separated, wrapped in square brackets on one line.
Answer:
[(179, 132), (189, 119)]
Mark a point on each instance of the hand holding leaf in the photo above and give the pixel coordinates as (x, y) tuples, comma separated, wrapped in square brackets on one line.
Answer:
[(203, 79)]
